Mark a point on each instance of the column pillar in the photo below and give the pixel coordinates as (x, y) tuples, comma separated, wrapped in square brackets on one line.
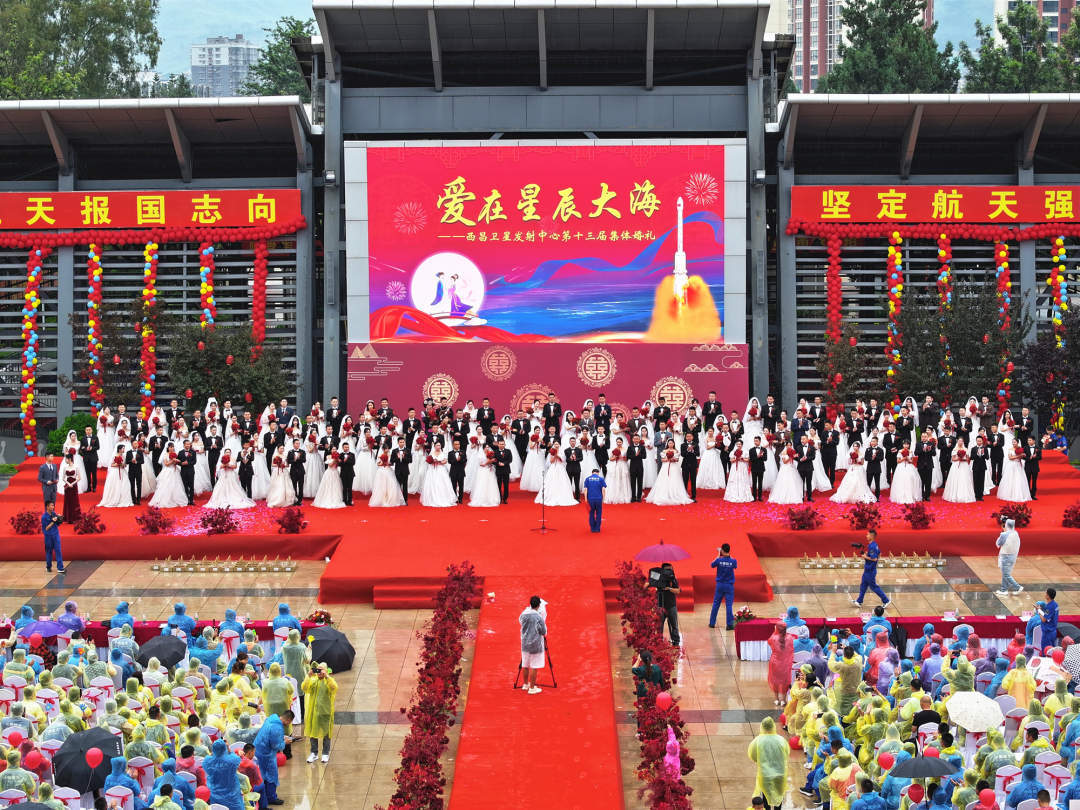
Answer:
[(785, 293), (65, 307), (757, 265), (332, 242)]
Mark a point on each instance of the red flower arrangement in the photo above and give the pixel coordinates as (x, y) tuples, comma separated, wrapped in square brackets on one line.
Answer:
[(961, 454), (489, 453), (615, 454), (1020, 512), (103, 421), (319, 616), (738, 454), (154, 521), (753, 411), (219, 521), (804, 518), (553, 452), (853, 456), (918, 516), (25, 522), (421, 442), (172, 455), (291, 521), (790, 453), (863, 516), (670, 455), (474, 440), (430, 459), (118, 460), (585, 442), (1071, 518), (905, 453), (384, 460), (420, 781), (89, 522), (370, 442)]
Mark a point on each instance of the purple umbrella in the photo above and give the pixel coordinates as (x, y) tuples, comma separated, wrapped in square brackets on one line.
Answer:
[(661, 553), (47, 629)]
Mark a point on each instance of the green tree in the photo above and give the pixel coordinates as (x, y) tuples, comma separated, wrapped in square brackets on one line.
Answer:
[(76, 48), (889, 50), (852, 362), (1045, 369), (277, 72), (1023, 60), (176, 86), (1069, 54)]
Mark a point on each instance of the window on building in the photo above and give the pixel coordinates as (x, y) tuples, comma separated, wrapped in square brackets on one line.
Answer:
[(1050, 5)]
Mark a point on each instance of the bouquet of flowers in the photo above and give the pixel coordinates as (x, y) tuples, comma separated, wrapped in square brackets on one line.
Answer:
[(1020, 512), (89, 522), (961, 454), (738, 454), (234, 425), (854, 456), (474, 440), (1011, 423), (313, 438), (863, 516), (489, 453), (790, 452), (430, 459), (371, 410), (334, 457), (172, 455), (154, 521), (918, 516), (554, 453), (118, 460), (319, 617), (279, 462), (347, 428), (585, 442), (155, 421), (291, 521), (804, 518), (860, 410), (753, 412), (104, 421), (1071, 518), (211, 416), (615, 454), (384, 460), (71, 453), (973, 409), (744, 614), (905, 453), (315, 411)]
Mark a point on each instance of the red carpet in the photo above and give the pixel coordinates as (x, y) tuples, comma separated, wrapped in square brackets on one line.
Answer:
[(557, 749)]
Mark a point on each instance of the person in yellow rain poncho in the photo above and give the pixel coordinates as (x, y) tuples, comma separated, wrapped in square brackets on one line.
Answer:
[(962, 677), (849, 671), (1035, 745), (1019, 683), (139, 747), (277, 691), (15, 777), (223, 702), (770, 752), (139, 697), (319, 690), (872, 732), (999, 756), (798, 695), (1059, 699), (812, 730), (843, 777)]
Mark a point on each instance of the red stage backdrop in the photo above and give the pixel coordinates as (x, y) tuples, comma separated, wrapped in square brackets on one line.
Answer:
[(512, 375)]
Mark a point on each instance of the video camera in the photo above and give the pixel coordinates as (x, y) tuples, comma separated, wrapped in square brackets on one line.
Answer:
[(858, 546), (661, 578)]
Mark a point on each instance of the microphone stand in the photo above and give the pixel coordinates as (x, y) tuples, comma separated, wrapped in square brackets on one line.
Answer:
[(543, 528)]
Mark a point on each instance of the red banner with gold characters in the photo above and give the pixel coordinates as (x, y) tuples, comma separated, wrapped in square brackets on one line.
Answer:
[(215, 208), (919, 204)]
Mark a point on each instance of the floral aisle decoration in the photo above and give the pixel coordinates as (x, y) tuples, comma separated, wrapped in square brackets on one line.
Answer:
[(28, 372), (154, 521), (917, 515), (206, 285), (657, 710), (804, 518), (834, 301), (945, 300), (419, 778), (1020, 512), (93, 328), (292, 521), (147, 330), (894, 341), (25, 522), (863, 516), (744, 614), (89, 522), (319, 616), (258, 299), (1004, 297), (1058, 307), (220, 521), (1071, 518)]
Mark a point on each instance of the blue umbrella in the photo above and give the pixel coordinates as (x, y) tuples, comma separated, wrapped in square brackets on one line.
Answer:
[(47, 629)]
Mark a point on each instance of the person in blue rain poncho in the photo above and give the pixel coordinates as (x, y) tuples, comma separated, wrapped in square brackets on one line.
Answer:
[(180, 621), (892, 785), (869, 799), (26, 615), (119, 778), (962, 632), (1001, 669), (183, 792), (231, 623), (286, 619), (268, 743), (1028, 788), (1070, 791), (207, 649), (122, 616), (803, 642), (931, 667), (924, 639), (221, 769)]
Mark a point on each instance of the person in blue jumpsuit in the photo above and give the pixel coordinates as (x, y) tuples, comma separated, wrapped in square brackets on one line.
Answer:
[(594, 493), (221, 777), (268, 743), (1049, 623), (725, 566), (869, 575)]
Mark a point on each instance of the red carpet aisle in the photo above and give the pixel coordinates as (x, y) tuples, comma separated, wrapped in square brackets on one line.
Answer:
[(557, 749)]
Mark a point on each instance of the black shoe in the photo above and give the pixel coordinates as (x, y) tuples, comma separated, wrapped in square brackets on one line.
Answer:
[(730, 627), (48, 570), (712, 626), (276, 802)]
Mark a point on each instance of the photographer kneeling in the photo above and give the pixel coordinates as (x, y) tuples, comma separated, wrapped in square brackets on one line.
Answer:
[(50, 528)]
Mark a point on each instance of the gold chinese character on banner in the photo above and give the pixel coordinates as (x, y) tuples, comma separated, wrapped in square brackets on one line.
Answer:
[(39, 209), (1003, 202), (835, 204), (150, 210), (643, 199), (892, 204), (205, 209), (947, 205), (261, 207), (566, 207), (493, 208), (95, 210), (1059, 204), (601, 203), (527, 204), (453, 201)]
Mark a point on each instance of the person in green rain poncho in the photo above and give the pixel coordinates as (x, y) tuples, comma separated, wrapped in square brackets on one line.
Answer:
[(139, 747), (277, 691), (963, 677), (71, 717), (1035, 714), (45, 797), (15, 777), (319, 690), (1059, 699), (770, 752), (998, 756), (294, 657)]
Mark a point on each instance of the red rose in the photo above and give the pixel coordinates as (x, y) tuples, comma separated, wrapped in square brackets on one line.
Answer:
[(104, 421), (615, 454), (753, 411), (670, 454), (973, 408), (791, 452), (370, 442), (738, 454), (489, 453), (585, 442), (905, 453), (553, 452), (420, 441), (861, 410), (334, 455), (314, 411), (384, 459), (474, 440), (172, 456), (155, 420), (854, 455), (430, 460), (961, 454)]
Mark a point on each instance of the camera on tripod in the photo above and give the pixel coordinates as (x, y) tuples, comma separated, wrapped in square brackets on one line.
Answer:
[(661, 578)]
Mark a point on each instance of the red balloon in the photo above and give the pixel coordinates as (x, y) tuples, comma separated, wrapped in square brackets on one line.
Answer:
[(931, 752), (795, 743), (916, 792), (202, 792), (886, 760), (94, 757), (1058, 655), (987, 797), (663, 701), (32, 759), (15, 738), (35, 639)]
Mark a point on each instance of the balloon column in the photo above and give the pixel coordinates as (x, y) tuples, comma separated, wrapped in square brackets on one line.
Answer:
[(93, 328), (945, 297), (1058, 307), (206, 285), (1004, 297), (894, 341), (148, 355), (834, 300), (31, 309), (258, 299)]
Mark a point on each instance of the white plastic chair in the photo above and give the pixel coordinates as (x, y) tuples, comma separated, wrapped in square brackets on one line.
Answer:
[(1006, 702), (1012, 723), (983, 680), (62, 641), (237, 748), (971, 806), (16, 683), (50, 747), (12, 796), (50, 702), (1028, 804), (7, 697), (1006, 775), (198, 685), (216, 806), (231, 640), (1045, 759), (145, 768), (106, 685), (924, 733), (213, 732), (1057, 776), (188, 777), (185, 696), (69, 797), (113, 634), (63, 683), (281, 635), (123, 795)]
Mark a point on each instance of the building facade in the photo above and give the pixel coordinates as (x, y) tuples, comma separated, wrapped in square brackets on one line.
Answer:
[(219, 66), (1057, 14)]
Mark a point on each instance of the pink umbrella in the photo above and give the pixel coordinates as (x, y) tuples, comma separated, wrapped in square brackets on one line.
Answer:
[(662, 553)]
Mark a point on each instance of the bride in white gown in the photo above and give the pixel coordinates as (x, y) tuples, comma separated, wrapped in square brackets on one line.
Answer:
[(313, 466), (618, 478), (669, 489), (556, 489), (485, 491), (752, 421), (260, 475), (788, 487), (532, 473), (202, 466), (117, 492), (648, 478), (280, 492), (906, 485), (386, 491), (960, 485), (738, 482), (854, 488), (228, 494), (711, 472), (330, 494), (1013, 485), (170, 488), (437, 490)]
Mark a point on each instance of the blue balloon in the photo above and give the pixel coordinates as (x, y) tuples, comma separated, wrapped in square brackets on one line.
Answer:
[(153, 376), (96, 371), (211, 248), (37, 252)]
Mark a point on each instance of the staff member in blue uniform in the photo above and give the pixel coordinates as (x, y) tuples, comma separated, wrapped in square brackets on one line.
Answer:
[(869, 575), (594, 493), (725, 566)]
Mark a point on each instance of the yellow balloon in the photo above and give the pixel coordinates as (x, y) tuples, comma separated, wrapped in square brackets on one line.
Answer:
[(33, 423)]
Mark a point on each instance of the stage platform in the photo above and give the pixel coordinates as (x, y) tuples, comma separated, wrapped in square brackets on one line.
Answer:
[(396, 558)]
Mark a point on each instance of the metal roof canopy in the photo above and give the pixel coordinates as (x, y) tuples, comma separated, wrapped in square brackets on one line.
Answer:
[(354, 30), (944, 117)]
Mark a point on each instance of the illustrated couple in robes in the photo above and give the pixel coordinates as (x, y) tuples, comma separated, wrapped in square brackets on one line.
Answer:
[(458, 307)]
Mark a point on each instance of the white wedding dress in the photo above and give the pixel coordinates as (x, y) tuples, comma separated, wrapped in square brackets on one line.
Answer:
[(618, 479), (738, 483), (772, 469), (854, 488), (228, 494), (149, 480), (650, 470), (711, 471), (364, 472), (906, 484), (557, 489), (329, 495), (260, 477), (170, 488), (960, 485), (788, 487), (202, 470), (313, 469), (419, 466), (485, 490), (386, 491), (1013, 485), (532, 473), (117, 491), (669, 489), (280, 492), (437, 490)]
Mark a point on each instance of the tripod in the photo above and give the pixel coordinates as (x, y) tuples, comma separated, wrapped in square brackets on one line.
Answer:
[(543, 528), (551, 669)]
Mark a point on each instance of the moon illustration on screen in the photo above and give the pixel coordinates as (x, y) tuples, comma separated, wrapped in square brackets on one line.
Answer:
[(448, 286)]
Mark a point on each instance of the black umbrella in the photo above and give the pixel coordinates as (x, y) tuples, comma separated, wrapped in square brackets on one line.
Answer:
[(330, 647), (923, 768), (169, 650), (70, 766), (1070, 630)]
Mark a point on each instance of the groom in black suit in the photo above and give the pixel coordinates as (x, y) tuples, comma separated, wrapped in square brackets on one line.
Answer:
[(690, 458), (635, 454), (574, 457), (400, 458), (980, 463), (757, 469), (873, 458), (296, 459), (503, 459), (807, 452)]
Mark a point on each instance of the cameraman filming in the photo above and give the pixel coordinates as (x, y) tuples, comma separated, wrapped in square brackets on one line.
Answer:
[(667, 586), (870, 555), (50, 528)]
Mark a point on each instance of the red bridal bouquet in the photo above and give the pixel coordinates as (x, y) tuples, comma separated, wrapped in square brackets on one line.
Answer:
[(71, 453), (973, 409), (172, 455), (289, 431), (738, 455), (905, 453), (474, 440), (334, 457), (370, 442), (235, 425), (384, 460), (211, 416), (670, 454), (118, 460), (489, 453), (313, 438), (371, 410), (155, 421), (430, 459), (346, 428), (279, 462), (961, 454), (753, 411), (421, 442), (314, 411), (104, 420), (860, 410), (553, 452), (854, 456), (585, 442), (615, 454), (790, 453), (1011, 423)]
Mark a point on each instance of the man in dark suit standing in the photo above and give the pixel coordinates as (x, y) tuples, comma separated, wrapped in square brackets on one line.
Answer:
[(385, 413), (459, 427), (1032, 457), (334, 414), (637, 421), (600, 449), (347, 468), (486, 416), (185, 460), (926, 456), (245, 469), (574, 456), (174, 413), (660, 440), (805, 464), (296, 458), (456, 460), (873, 458), (410, 427), (552, 413), (980, 462), (873, 414), (770, 414), (946, 445), (283, 413), (134, 459), (800, 426), (155, 444), (88, 449), (817, 416), (891, 444), (997, 453), (635, 455), (929, 412), (690, 459), (905, 425), (519, 429), (214, 445), (48, 477), (965, 428), (400, 458), (661, 414), (1025, 427), (757, 468), (602, 413), (711, 409), (503, 459), (271, 441), (830, 443)]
